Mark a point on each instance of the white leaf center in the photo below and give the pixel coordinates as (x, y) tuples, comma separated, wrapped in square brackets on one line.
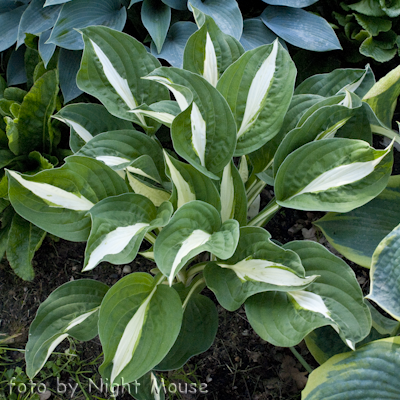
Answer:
[(198, 133), (210, 72)]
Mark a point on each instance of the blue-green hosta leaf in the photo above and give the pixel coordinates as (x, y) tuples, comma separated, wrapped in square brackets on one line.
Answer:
[(46, 50), (119, 225), (321, 121), (226, 14), (199, 327), (156, 18), (24, 239), (111, 70), (37, 19), (376, 219), (175, 43), (258, 88), (120, 148), (16, 71), (54, 2), (163, 111), (332, 175), (57, 200), (382, 97), (301, 28), (190, 184), (358, 81), (209, 51), (335, 298), (9, 23), (176, 4), (291, 3), (207, 145), (68, 66), (34, 131), (71, 310), (87, 120), (83, 13), (194, 228), (257, 266), (256, 34), (233, 195), (385, 274), (139, 322), (340, 377)]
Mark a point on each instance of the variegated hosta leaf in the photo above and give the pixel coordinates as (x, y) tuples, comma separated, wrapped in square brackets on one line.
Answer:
[(209, 51), (197, 136), (335, 299), (385, 272), (258, 265), (258, 88), (194, 228), (332, 175), (378, 218), (87, 120), (164, 111), (190, 184), (139, 322), (322, 121), (358, 81), (119, 225), (118, 150), (111, 70), (57, 200), (340, 377), (233, 195), (199, 327), (148, 387), (71, 310)]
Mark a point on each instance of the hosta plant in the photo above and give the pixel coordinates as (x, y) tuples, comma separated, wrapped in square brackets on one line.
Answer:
[(236, 125)]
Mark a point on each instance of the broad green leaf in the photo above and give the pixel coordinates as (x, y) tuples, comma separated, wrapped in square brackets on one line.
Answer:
[(375, 220), (381, 49), (209, 51), (83, 13), (258, 88), (196, 136), (332, 175), (34, 131), (257, 266), (71, 310), (163, 111), (190, 184), (392, 9), (194, 228), (24, 239), (382, 97), (139, 322), (175, 43), (156, 18), (119, 225), (57, 200), (384, 274), (255, 34), (37, 19), (226, 14), (124, 146), (301, 28), (111, 70), (340, 376), (233, 195), (199, 327), (148, 387), (335, 299), (87, 120), (358, 81), (373, 25), (368, 7)]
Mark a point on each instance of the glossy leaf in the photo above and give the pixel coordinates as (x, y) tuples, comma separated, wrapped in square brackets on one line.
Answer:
[(284, 319), (71, 310), (332, 175), (194, 228), (356, 234), (75, 15), (337, 378), (258, 88), (57, 200), (139, 322), (301, 28), (119, 225)]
